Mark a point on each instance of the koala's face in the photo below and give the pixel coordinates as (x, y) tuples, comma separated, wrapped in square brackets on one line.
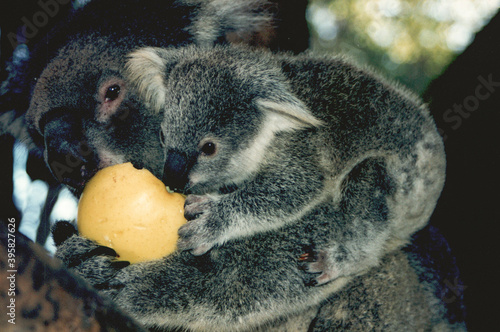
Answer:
[(210, 123), (221, 108), (85, 117)]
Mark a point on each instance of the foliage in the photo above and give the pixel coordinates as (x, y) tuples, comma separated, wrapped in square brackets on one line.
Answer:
[(409, 40)]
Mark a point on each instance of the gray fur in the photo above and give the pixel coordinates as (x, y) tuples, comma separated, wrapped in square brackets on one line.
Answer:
[(313, 156), (288, 131), (333, 164), (255, 283), (218, 17)]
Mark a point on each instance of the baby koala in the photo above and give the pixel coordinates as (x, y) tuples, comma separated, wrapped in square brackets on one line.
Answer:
[(260, 141)]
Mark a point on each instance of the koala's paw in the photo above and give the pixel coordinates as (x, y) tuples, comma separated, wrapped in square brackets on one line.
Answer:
[(319, 262), (202, 231), (90, 260)]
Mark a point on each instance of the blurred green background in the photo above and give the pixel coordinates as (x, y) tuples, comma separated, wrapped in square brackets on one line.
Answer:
[(409, 40)]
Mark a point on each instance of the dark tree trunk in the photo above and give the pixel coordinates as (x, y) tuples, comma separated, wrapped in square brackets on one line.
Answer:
[(465, 102)]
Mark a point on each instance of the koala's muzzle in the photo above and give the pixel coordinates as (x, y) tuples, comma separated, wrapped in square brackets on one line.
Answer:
[(176, 170), (68, 155)]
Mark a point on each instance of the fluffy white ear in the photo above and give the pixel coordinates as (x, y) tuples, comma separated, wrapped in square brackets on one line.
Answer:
[(288, 115), (145, 70)]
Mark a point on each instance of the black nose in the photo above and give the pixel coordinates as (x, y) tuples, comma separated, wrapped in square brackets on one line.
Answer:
[(176, 170), (68, 155)]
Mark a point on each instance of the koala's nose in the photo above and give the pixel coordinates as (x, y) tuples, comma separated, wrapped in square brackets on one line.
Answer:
[(67, 154), (176, 170)]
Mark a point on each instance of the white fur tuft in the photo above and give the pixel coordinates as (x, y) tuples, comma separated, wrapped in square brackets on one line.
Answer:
[(145, 69), (288, 115)]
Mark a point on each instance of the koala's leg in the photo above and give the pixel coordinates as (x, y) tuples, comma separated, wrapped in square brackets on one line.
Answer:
[(352, 236)]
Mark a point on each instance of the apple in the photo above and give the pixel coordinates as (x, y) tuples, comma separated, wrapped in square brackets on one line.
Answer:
[(131, 211)]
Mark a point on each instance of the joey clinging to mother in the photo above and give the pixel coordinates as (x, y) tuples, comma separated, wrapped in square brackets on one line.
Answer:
[(260, 141), (279, 153)]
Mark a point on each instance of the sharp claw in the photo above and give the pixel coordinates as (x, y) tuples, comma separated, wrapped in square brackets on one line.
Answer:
[(308, 257), (102, 251), (119, 264), (98, 251), (191, 215), (107, 285)]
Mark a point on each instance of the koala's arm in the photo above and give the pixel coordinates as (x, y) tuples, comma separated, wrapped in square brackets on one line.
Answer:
[(240, 285), (281, 193)]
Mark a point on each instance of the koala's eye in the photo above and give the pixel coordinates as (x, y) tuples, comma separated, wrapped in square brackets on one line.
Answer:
[(208, 149), (112, 92)]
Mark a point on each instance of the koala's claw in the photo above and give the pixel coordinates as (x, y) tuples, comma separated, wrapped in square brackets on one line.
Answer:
[(318, 262), (195, 205), (118, 265), (188, 240), (201, 232), (102, 250), (90, 260), (307, 257), (97, 251)]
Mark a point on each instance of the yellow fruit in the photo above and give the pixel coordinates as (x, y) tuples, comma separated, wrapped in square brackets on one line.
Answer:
[(131, 211)]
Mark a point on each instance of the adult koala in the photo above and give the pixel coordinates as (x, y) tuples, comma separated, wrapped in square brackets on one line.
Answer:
[(80, 105)]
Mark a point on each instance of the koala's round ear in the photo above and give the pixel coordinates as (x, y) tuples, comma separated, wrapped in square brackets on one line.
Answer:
[(145, 70), (287, 114)]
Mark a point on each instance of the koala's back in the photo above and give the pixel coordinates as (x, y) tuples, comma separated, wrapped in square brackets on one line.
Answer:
[(365, 122), (364, 116), (360, 110)]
